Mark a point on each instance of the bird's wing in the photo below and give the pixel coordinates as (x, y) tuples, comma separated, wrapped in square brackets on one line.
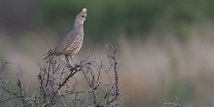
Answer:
[(73, 42), (66, 42)]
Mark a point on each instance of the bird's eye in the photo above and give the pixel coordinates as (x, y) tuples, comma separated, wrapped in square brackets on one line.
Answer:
[(82, 16)]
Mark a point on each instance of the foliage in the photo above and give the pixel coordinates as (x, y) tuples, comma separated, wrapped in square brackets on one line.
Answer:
[(107, 18)]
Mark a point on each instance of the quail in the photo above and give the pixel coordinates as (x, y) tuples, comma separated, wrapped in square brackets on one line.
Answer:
[(72, 42)]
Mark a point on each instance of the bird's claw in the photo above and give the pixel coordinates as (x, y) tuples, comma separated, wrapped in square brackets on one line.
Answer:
[(69, 66)]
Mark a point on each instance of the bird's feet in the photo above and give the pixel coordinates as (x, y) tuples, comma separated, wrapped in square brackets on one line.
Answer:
[(73, 61), (69, 66)]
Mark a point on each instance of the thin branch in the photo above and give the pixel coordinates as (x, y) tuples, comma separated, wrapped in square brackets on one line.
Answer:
[(10, 99)]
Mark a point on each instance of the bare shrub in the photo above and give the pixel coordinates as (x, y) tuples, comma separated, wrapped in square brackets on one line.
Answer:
[(87, 83)]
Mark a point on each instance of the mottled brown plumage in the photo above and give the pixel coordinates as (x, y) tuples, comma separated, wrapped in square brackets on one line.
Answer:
[(72, 42)]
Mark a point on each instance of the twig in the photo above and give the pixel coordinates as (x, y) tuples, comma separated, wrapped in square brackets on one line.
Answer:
[(176, 104)]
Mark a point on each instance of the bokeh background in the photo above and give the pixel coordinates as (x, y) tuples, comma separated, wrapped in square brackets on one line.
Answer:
[(166, 46)]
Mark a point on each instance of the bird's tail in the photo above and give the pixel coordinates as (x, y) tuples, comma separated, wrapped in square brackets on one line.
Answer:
[(48, 55)]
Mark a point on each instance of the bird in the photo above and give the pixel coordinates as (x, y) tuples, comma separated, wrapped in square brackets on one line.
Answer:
[(72, 42)]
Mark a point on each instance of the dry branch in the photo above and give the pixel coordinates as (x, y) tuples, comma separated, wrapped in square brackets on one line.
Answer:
[(86, 83)]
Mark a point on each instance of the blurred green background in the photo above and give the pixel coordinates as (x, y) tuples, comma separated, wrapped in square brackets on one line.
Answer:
[(108, 17), (167, 46)]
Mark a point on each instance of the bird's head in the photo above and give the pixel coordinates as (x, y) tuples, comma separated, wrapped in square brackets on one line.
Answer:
[(81, 17)]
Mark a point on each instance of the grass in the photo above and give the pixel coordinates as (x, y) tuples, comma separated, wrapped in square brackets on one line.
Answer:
[(154, 70)]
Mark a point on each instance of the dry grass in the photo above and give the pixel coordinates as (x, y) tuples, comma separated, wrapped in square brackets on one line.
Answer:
[(154, 71)]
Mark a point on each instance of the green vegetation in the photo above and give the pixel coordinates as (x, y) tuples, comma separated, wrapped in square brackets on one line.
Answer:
[(107, 18)]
